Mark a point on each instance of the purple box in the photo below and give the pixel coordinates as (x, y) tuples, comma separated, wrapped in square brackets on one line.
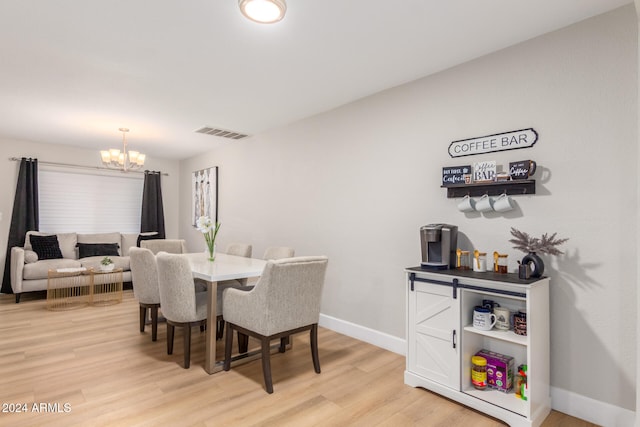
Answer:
[(499, 370)]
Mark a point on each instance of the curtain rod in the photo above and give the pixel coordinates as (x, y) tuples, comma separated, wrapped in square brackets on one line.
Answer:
[(69, 165)]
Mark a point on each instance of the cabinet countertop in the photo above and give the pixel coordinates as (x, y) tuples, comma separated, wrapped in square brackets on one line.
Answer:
[(487, 275)]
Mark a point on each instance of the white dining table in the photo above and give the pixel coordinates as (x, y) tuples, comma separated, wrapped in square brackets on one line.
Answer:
[(225, 267)]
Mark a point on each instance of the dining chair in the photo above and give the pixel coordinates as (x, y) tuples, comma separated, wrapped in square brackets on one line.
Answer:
[(284, 301), (278, 252), (181, 305), (144, 278), (172, 246)]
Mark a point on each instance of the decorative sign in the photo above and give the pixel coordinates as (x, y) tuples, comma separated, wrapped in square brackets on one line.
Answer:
[(523, 138), (522, 169), (455, 175), (484, 171)]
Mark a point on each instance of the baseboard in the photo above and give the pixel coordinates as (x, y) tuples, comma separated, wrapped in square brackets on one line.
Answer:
[(362, 333), (594, 411), (576, 405)]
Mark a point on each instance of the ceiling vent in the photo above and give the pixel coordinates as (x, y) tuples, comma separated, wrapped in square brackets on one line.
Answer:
[(223, 133)]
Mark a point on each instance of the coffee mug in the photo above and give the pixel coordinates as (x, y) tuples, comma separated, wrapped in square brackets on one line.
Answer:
[(503, 318), (483, 319), (484, 204), (502, 203), (520, 323), (490, 304), (467, 204)]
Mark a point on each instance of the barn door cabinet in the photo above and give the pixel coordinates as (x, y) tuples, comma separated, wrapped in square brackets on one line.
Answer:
[(441, 339)]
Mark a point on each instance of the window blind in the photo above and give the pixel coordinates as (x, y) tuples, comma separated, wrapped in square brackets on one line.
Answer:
[(89, 202)]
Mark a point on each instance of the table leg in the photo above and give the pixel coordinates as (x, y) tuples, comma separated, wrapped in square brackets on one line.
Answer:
[(210, 350)]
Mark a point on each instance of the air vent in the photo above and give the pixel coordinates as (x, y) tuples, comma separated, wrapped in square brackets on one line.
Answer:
[(223, 133)]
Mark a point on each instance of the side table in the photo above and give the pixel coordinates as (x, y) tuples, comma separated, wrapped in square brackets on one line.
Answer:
[(106, 286), (68, 289)]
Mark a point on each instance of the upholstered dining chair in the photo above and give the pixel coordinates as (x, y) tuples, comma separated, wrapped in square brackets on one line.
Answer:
[(284, 301), (181, 305), (144, 278), (172, 246), (278, 252)]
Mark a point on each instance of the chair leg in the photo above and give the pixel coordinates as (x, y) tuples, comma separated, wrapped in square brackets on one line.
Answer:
[(219, 329), (266, 364), (243, 342), (170, 332), (143, 315), (187, 345), (283, 344), (18, 297), (314, 347), (154, 323), (227, 347)]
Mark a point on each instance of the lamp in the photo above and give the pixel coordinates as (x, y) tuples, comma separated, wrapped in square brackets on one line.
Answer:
[(115, 159), (263, 11)]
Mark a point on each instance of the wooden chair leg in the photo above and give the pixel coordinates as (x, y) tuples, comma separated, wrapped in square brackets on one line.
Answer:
[(243, 342), (219, 329), (187, 345), (143, 315), (170, 331), (283, 344), (314, 347), (154, 323), (266, 364), (227, 347)]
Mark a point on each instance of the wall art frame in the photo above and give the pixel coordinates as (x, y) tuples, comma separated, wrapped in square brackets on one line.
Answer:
[(204, 194)]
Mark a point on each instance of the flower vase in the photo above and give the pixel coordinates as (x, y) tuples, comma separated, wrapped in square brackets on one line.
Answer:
[(211, 252), (537, 267)]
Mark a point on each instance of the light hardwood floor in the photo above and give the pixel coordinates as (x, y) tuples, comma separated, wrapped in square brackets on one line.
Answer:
[(96, 362)]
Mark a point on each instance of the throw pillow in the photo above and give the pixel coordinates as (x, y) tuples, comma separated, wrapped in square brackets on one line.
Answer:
[(30, 256), (46, 247), (97, 249), (147, 237)]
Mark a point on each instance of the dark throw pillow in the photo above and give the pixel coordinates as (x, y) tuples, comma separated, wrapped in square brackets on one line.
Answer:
[(47, 247), (147, 237), (97, 249)]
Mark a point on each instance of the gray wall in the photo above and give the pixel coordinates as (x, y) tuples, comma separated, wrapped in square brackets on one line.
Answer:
[(356, 183)]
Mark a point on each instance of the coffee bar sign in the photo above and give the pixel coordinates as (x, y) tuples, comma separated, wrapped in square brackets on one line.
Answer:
[(523, 138)]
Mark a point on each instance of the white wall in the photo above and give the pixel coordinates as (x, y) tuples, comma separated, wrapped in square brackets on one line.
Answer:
[(356, 183), (79, 156)]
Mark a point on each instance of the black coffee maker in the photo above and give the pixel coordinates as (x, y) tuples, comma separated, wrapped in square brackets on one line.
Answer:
[(438, 243)]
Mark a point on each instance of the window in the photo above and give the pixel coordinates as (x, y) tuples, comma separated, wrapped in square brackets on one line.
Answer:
[(84, 202)]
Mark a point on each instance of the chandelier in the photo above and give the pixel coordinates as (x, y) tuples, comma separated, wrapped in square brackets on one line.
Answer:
[(263, 11), (125, 160)]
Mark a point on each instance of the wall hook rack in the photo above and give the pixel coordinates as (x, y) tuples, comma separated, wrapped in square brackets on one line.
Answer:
[(511, 188)]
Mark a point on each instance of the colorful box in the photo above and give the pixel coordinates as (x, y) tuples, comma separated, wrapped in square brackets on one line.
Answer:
[(499, 370)]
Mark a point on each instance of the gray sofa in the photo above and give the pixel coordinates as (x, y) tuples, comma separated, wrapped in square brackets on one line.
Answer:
[(28, 273)]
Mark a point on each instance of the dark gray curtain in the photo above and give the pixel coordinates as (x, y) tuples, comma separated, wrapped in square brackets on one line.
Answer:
[(25, 213), (152, 211)]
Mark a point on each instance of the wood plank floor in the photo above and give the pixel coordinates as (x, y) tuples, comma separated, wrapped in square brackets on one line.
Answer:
[(99, 370)]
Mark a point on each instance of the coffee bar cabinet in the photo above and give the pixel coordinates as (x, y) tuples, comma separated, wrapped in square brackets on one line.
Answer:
[(441, 339)]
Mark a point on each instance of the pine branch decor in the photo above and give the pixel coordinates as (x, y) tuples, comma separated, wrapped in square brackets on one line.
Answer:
[(545, 244)]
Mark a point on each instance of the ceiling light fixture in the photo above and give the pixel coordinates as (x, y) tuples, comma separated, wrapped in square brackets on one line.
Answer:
[(124, 160), (263, 11)]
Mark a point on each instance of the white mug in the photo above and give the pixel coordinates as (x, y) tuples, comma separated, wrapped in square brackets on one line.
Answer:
[(503, 318), (502, 203), (467, 204), (484, 204), (483, 318)]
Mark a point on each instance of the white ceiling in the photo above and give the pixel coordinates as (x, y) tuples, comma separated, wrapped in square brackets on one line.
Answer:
[(74, 71)]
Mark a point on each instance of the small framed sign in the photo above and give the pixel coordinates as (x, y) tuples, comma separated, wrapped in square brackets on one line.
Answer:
[(453, 175), (484, 171)]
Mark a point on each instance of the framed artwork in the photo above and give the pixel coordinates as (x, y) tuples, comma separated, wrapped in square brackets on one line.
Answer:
[(204, 194)]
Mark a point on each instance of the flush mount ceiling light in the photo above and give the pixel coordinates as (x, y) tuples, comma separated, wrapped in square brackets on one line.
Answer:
[(124, 160), (263, 11)]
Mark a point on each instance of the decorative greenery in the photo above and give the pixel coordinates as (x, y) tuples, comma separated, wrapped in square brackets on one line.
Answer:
[(545, 244), (106, 261), (207, 228)]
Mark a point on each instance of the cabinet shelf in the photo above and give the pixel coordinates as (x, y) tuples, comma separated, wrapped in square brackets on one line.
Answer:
[(507, 401), (508, 336), (515, 187)]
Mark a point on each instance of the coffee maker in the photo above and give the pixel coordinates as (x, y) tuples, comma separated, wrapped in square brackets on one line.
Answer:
[(438, 243)]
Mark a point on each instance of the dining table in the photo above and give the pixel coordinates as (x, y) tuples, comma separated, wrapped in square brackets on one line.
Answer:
[(224, 267)]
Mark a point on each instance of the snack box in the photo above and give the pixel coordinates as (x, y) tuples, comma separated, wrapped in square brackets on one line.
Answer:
[(499, 370)]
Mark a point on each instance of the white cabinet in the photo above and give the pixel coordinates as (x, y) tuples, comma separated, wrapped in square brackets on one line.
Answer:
[(441, 339)]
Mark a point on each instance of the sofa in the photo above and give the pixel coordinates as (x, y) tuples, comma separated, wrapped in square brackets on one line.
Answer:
[(30, 264)]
